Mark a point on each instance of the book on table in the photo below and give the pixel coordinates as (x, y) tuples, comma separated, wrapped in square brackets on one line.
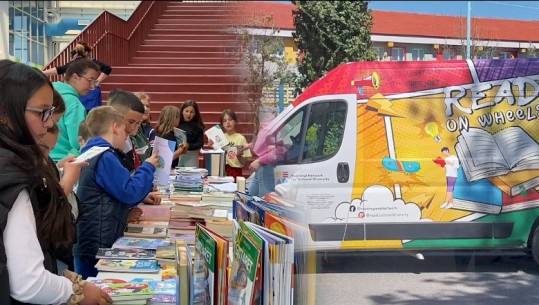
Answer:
[(145, 232), (113, 253), (139, 243), (124, 265), (127, 291), (164, 292), (166, 255)]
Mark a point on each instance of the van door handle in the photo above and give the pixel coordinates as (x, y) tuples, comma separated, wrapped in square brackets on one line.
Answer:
[(343, 172)]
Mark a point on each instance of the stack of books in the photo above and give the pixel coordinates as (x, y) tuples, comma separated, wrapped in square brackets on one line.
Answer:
[(187, 183)]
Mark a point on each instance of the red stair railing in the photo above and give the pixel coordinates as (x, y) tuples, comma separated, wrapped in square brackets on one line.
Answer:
[(113, 40)]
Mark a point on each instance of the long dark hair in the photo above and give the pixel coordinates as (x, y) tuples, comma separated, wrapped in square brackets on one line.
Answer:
[(18, 82), (197, 118)]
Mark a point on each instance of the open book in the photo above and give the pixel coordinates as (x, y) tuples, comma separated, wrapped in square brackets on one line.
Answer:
[(484, 155)]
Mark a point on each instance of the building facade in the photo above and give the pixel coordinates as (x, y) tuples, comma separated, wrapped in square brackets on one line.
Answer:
[(34, 31)]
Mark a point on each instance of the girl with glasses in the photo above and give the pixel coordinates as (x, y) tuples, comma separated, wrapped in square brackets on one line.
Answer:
[(37, 216)]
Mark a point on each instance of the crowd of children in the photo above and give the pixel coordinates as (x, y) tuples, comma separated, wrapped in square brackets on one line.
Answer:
[(57, 209)]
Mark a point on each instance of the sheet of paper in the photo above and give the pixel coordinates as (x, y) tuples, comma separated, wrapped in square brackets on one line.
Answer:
[(90, 153), (217, 136), (164, 154)]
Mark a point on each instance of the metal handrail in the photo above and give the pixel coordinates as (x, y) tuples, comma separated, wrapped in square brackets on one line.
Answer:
[(108, 35)]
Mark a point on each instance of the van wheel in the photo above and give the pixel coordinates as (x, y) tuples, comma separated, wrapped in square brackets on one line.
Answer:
[(535, 245)]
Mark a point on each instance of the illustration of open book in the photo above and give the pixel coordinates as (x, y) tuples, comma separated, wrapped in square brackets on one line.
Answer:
[(484, 155)]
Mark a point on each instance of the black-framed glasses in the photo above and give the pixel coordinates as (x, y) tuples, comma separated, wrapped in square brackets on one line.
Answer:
[(92, 81), (46, 114)]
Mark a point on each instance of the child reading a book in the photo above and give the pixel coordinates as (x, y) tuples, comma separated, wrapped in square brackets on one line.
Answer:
[(32, 228), (107, 189), (168, 119), (132, 109), (191, 123), (451, 166), (237, 152)]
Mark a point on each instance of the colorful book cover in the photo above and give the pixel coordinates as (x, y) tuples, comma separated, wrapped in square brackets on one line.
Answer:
[(122, 265), (221, 267), (112, 253), (241, 211), (204, 267), (168, 272), (164, 292), (260, 243), (139, 243), (127, 291), (244, 265), (105, 281)]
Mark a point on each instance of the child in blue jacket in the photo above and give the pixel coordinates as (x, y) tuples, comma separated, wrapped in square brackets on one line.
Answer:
[(106, 188)]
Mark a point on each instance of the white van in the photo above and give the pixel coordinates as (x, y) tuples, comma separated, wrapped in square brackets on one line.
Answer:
[(416, 155)]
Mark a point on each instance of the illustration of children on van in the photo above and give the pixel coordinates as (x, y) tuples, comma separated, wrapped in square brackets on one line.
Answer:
[(451, 164)]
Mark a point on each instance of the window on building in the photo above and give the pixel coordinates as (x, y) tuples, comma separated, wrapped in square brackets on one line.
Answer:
[(448, 54), (397, 54), (418, 54), (487, 54), (26, 34), (505, 55), (379, 51)]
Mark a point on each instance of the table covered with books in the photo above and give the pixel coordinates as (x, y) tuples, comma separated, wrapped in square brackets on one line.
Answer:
[(209, 244)]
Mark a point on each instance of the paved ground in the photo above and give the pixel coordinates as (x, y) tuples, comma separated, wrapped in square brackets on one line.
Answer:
[(441, 278)]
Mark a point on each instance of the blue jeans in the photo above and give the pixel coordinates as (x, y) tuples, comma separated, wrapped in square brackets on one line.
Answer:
[(263, 181), (84, 265)]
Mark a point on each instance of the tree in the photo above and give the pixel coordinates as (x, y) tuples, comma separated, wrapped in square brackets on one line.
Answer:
[(329, 33), (262, 54), (479, 47)]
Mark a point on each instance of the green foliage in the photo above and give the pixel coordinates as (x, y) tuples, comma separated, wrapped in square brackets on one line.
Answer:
[(330, 33), (262, 54), (333, 138)]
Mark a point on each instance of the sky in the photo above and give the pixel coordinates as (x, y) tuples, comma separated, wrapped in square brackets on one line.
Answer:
[(523, 10)]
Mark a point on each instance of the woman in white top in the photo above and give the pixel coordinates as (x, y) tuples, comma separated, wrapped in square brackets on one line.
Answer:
[(35, 217)]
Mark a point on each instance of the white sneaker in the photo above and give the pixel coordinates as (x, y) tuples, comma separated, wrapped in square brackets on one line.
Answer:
[(443, 205), (449, 205)]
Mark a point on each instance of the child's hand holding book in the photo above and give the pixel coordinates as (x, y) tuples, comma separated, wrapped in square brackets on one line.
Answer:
[(439, 161)]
